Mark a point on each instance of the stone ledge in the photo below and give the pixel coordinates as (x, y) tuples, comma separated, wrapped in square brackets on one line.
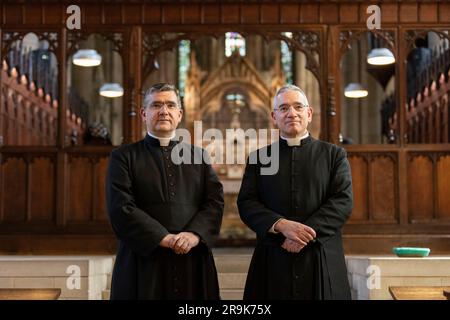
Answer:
[(55, 271)]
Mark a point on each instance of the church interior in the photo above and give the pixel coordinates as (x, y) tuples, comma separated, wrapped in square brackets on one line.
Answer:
[(71, 92)]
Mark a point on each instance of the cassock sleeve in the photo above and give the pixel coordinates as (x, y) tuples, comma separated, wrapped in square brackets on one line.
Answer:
[(207, 221), (252, 211), (134, 227), (332, 215)]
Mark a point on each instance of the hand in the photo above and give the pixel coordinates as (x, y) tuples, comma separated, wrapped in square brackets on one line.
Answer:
[(295, 231), (168, 241), (292, 246), (184, 242)]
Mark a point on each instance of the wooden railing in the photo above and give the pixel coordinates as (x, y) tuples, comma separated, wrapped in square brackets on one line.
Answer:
[(28, 116), (427, 111), (427, 115)]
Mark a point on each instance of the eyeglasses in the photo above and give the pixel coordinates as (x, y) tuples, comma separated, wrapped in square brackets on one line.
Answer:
[(298, 107), (158, 105)]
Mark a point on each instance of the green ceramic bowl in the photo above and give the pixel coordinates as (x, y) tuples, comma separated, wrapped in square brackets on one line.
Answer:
[(411, 252)]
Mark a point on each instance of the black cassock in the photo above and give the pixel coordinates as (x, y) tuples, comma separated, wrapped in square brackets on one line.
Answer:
[(313, 186), (148, 196)]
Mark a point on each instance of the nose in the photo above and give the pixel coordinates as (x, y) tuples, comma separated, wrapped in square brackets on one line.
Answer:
[(291, 112), (164, 109)]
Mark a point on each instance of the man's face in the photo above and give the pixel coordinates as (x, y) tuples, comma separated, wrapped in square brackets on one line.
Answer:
[(160, 117), (292, 122)]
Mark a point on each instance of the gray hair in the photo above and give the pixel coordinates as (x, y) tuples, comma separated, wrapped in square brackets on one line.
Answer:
[(288, 87), (160, 87)]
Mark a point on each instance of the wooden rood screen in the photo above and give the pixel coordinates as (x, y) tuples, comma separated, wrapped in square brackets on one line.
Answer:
[(52, 196)]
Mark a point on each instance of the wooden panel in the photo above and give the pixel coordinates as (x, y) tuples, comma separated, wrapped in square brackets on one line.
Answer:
[(289, 13), (171, 14), (33, 14), (152, 14), (250, 13), (230, 13), (93, 14), (349, 13), (191, 13), (80, 190), (269, 13), (101, 170), (428, 12), (359, 180), (42, 191), (443, 187), (113, 13), (383, 189), (54, 13), (211, 13), (14, 188), (408, 12), (132, 13), (444, 12), (420, 188), (13, 14), (309, 13), (329, 13), (389, 12)]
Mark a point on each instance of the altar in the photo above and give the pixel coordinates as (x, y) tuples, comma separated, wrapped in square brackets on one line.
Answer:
[(371, 276)]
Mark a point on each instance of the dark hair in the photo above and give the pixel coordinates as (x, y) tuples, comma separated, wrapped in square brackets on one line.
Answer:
[(160, 87)]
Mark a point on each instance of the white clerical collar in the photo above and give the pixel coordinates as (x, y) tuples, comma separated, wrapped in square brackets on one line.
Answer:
[(163, 142), (296, 141)]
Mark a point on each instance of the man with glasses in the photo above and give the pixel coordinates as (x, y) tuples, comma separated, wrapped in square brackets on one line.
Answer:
[(165, 215), (297, 213)]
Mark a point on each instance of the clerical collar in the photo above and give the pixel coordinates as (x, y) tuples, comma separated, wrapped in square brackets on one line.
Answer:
[(163, 141), (297, 141)]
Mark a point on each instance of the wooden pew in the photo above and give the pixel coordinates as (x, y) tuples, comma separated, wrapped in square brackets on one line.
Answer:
[(420, 293), (30, 294)]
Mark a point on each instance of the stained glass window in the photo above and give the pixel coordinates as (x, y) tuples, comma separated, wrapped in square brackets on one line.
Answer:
[(184, 50), (286, 58), (234, 42)]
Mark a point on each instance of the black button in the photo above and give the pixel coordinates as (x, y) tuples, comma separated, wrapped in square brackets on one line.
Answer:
[(172, 193), (296, 276), (170, 174), (171, 184)]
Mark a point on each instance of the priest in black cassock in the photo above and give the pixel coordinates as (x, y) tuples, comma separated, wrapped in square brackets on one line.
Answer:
[(165, 215), (297, 213)]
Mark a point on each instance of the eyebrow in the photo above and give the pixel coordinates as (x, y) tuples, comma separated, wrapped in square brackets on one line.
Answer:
[(165, 101)]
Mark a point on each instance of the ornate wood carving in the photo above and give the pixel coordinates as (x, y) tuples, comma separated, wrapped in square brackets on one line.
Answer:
[(411, 35), (346, 37), (309, 42), (74, 39)]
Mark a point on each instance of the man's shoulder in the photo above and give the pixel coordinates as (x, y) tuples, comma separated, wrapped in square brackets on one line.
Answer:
[(328, 146), (127, 148)]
